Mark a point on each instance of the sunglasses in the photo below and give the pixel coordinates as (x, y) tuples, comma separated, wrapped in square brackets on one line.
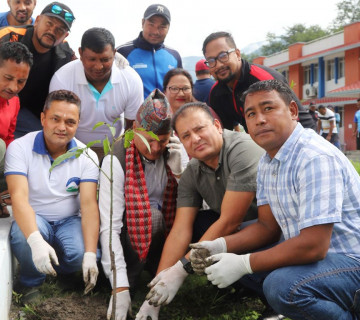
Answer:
[(60, 11)]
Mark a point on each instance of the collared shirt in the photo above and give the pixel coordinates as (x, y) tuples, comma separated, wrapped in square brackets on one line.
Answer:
[(310, 182), (236, 171), (9, 110), (121, 97), (53, 195)]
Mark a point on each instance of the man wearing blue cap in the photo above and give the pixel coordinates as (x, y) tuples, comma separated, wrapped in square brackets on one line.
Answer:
[(147, 54)]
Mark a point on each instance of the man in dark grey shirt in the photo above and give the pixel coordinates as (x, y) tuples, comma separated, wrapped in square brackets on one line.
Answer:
[(223, 173)]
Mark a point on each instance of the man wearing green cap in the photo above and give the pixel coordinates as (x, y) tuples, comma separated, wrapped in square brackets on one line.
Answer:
[(145, 189)]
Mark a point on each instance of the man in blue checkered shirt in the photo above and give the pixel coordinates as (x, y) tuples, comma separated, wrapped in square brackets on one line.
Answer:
[(308, 190)]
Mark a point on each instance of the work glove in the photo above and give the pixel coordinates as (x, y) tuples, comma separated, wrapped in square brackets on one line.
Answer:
[(90, 271), (123, 305), (174, 160), (166, 284), (229, 268), (146, 311), (120, 61), (204, 249), (42, 254)]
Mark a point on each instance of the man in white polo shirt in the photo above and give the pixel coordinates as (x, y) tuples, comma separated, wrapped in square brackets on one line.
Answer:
[(48, 235), (106, 91)]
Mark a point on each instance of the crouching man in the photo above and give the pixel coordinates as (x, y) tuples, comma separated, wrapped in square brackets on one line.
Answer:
[(308, 190), (48, 235), (144, 199)]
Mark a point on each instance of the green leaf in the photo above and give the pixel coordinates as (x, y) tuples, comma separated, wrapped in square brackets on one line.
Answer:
[(63, 157), (79, 152), (106, 145), (91, 143), (143, 140), (116, 120), (140, 129), (99, 124), (113, 130), (153, 135)]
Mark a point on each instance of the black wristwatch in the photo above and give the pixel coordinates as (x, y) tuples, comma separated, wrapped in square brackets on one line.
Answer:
[(187, 265)]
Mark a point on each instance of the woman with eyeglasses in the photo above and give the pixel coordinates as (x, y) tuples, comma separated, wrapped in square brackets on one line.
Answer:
[(178, 88)]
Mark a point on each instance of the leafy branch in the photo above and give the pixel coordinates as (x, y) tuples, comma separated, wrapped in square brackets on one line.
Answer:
[(108, 148)]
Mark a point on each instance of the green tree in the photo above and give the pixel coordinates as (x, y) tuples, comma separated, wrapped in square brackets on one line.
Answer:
[(296, 33), (348, 12)]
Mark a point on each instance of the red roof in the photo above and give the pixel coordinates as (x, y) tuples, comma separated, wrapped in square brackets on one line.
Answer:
[(330, 100), (351, 89)]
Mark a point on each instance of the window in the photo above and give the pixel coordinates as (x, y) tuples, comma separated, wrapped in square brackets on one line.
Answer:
[(315, 73), (307, 72), (330, 69), (341, 67)]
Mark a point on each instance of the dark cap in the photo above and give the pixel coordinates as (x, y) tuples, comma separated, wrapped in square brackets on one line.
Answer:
[(321, 106), (60, 11), (155, 113), (158, 10)]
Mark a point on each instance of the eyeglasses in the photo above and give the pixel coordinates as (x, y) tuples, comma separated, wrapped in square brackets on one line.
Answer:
[(222, 57), (60, 11), (175, 90)]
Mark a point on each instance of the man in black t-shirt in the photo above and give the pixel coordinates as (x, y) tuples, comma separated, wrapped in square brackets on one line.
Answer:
[(45, 41), (234, 76)]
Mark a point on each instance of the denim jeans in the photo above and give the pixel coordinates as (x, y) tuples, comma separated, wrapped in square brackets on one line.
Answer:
[(325, 290), (65, 236)]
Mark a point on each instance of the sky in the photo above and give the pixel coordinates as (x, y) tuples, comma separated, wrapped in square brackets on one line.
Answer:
[(192, 20)]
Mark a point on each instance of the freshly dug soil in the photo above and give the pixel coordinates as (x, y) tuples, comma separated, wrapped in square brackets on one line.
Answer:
[(71, 308)]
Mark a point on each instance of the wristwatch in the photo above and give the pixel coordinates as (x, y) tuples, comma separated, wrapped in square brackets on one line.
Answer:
[(187, 265)]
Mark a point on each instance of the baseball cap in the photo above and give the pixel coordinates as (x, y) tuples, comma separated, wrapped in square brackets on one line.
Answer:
[(159, 10), (200, 65), (155, 113), (60, 11)]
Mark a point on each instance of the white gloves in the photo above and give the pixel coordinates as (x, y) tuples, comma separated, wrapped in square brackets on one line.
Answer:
[(204, 249), (90, 271), (120, 61), (174, 161), (42, 254), (229, 268), (146, 311), (166, 284), (123, 306)]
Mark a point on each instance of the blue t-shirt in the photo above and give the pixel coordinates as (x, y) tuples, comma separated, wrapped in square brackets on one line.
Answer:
[(3, 19), (357, 119)]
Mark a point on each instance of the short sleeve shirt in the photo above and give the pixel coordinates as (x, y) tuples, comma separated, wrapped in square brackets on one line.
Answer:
[(53, 195), (236, 171), (121, 97), (310, 182), (357, 119)]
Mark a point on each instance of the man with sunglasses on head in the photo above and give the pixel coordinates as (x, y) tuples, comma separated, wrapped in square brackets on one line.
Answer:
[(234, 75), (45, 40)]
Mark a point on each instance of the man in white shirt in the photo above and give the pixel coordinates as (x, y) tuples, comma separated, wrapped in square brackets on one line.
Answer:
[(327, 125), (49, 235), (106, 91), (144, 199)]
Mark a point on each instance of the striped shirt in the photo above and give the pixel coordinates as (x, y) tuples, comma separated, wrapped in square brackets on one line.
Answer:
[(310, 182)]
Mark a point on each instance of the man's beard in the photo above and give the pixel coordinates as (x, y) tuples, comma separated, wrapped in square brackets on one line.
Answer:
[(229, 78), (44, 44)]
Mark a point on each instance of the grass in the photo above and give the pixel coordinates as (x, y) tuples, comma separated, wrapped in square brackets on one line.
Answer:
[(356, 166), (197, 299)]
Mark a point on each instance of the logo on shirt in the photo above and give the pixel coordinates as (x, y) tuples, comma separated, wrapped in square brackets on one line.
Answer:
[(73, 184), (140, 66)]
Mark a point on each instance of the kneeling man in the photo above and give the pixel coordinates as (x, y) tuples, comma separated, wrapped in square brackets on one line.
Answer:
[(309, 191), (49, 235)]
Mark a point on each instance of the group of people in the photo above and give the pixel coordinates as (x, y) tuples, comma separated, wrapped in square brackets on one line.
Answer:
[(236, 184)]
